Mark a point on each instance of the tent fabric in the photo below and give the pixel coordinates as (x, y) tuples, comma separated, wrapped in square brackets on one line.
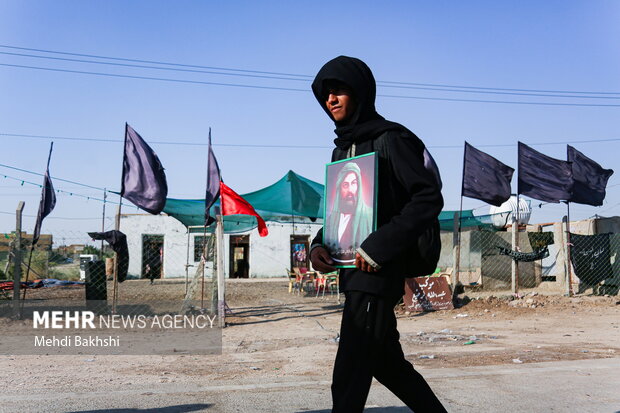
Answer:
[(291, 196)]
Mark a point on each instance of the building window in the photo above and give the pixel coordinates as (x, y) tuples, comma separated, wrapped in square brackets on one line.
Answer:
[(199, 244)]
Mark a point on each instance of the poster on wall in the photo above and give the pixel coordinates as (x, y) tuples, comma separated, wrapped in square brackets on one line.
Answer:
[(299, 255), (350, 206)]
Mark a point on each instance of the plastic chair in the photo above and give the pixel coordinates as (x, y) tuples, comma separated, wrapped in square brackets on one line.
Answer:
[(321, 281), (292, 281), (303, 278)]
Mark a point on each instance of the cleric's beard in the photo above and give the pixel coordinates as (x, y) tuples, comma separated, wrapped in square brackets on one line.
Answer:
[(348, 205)]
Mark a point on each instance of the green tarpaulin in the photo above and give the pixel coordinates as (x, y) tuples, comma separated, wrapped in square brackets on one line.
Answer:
[(291, 196)]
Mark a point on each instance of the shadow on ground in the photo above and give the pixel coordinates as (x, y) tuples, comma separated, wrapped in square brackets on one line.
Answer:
[(181, 408), (390, 409), (271, 313)]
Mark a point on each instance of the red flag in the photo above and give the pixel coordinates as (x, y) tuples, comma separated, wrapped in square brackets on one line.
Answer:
[(232, 204)]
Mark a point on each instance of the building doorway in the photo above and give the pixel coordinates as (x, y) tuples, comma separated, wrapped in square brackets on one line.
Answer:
[(299, 251), (152, 256), (239, 266)]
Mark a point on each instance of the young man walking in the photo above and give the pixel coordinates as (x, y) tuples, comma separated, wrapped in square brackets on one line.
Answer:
[(409, 202)]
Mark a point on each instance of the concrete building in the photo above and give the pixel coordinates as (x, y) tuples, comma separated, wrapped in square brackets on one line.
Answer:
[(162, 244), (481, 263)]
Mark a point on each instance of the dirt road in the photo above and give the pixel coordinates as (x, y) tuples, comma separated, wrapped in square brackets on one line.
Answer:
[(287, 343)]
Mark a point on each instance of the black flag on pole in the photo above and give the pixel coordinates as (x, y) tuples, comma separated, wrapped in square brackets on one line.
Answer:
[(48, 200), (484, 177), (542, 177), (144, 180), (213, 183), (590, 179)]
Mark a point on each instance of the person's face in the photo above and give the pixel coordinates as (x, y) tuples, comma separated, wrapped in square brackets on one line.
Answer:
[(348, 193), (340, 102)]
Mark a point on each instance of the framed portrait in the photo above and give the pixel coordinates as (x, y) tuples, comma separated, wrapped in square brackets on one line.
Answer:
[(350, 206)]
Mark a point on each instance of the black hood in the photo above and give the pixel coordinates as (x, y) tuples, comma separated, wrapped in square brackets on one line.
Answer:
[(365, 123)]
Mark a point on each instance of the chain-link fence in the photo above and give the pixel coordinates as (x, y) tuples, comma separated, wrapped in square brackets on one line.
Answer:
[(165, 264), (487, 260), (71, 266), (595, 263)]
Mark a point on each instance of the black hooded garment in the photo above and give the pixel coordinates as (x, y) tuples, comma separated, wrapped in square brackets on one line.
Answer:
[(409, 186)]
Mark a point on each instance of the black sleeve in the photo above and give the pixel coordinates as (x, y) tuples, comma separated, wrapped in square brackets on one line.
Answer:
[(318, 239), (424, 203)]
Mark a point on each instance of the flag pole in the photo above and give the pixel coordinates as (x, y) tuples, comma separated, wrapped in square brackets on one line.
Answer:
[(219, 231), (204, 240), (105, 196), (205, 255), (47, 168), (569, 287), (117, 226), (457, 251), (205, 252), (27, 274), (515, 242), (457, 240)]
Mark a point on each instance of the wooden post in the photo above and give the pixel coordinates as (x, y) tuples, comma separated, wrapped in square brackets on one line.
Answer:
[(221, 282), (515, 264), (17, 257), (117, 225), (538, 263), (567, 273)]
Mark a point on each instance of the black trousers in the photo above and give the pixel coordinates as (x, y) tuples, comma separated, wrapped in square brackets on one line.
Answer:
[(368, 348)]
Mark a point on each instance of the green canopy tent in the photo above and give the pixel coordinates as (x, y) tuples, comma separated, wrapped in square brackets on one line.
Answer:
[(291, 196)]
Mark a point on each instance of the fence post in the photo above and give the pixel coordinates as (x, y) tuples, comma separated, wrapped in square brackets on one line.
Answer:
[(456, 253), (538, 263), (17, 256), (515, 264), (567, 272)]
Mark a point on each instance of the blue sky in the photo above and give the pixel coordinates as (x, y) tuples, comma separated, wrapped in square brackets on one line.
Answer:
[(551, 45)]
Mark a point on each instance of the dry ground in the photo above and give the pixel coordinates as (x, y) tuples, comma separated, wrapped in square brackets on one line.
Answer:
[(273, 335)]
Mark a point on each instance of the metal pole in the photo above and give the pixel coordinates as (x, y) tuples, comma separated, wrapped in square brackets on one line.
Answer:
[(221, 292), (457, 251), (204, 254), (214, 272), (568, 251), (117, 225), (457, 248), (105, 194), (17, 269), (187, 264), (515, 243)]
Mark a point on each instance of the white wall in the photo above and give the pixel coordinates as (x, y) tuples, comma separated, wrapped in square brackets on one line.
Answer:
[(269, 256), (175, 242)]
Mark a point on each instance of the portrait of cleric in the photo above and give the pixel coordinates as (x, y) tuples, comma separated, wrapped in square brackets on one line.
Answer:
[(350, 207)]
